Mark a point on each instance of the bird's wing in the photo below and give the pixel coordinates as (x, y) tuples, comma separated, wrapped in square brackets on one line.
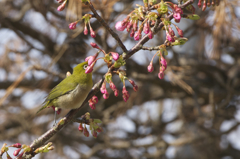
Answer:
[(62, 88)]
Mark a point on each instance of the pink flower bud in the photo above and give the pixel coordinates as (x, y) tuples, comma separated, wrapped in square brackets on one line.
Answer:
[(106, 95), (164, 63), (129, 25), (95, 99), (112, 86), (80, 128), (103, 88), (119, 26), (170, 38), (94, 134), (204, 6), (94, 45), (132, 33), (116, 92), (135, 87), (85, 30), (135, 27), (17, 145), (92, 105), (125, 94), (150, 34), (170, 31), (146, 28), (62, 6), (72, 25), (16, 152), (89, 69), (180, 32), (200, 3), (92, 33), (137, 35), (115, 56), (177, 9), (85, 132), (161, 74), (150, 67)]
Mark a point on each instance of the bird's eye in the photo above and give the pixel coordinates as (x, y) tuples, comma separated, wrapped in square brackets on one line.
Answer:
[(85, 66)]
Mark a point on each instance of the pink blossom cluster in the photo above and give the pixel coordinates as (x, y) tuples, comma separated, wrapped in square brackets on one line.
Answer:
[(92, 102), (163, 65), (94, 127), (132, 28)]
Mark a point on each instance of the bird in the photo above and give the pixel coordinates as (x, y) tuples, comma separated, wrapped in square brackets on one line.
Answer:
[(71, 91)]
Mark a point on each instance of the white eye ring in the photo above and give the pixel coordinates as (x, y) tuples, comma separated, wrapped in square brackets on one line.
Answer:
[(85, 66)]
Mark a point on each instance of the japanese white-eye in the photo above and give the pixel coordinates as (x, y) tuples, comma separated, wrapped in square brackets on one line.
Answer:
[(72, 91)]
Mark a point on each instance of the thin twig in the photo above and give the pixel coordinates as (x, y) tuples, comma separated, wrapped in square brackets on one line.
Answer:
[(100, 20)]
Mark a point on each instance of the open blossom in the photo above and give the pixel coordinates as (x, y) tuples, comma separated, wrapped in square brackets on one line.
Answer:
[(177, 16), (92, 105), (92, 102), (169, 37), (95, 99), (177, 13)]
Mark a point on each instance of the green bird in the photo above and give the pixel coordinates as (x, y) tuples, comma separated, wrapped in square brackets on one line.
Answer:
[(70, 92)]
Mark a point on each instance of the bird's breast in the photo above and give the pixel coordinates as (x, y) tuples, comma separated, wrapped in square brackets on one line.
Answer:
[(73, 99)]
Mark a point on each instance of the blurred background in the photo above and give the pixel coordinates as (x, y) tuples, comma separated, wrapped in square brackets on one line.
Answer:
[(193, 113)]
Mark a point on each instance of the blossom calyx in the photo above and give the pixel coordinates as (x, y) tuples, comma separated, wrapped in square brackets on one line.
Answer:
[(120, 62)]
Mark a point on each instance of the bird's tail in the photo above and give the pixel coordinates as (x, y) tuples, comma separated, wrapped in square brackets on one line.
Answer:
[(43, 107)]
